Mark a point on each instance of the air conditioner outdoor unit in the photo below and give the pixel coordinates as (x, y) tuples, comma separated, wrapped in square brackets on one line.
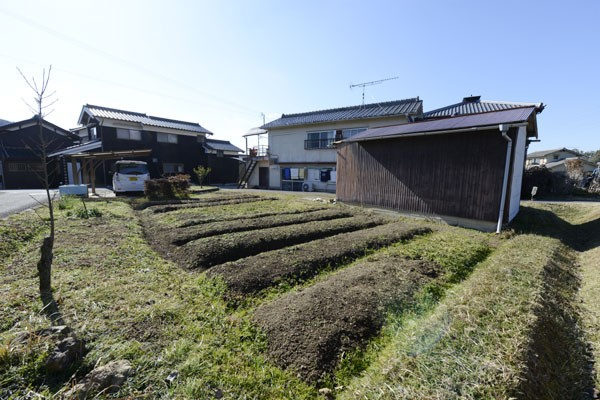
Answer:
[(307, 187)]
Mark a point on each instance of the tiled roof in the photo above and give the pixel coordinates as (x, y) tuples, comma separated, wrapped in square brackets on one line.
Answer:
[(224, 145), (446, 124), (4, 122), (412, 106), (474, 105), (131, 116), (542, 153)]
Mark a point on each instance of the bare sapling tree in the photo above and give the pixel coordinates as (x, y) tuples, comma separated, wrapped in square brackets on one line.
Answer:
[(42, 100)]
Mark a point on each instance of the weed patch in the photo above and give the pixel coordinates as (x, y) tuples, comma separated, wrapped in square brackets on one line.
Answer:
[(485, 339)]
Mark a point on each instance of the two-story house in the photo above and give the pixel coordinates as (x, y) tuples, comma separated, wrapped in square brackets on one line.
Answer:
[(176, 146), (544, 157), (301, 155)]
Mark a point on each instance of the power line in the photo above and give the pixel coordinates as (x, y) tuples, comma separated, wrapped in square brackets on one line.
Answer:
[(118, 59), (135, 88)]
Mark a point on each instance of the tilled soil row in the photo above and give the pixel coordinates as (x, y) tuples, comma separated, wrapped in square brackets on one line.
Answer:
[(206, 252), (153, 203), (304, 261), (182, 236), (208, 220), (199, 204), (307, 331)]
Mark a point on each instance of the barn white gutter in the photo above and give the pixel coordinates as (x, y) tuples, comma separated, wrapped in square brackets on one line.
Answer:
[(504, 129)]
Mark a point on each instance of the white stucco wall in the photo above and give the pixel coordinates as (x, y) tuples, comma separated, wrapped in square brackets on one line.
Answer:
[(287, 144)]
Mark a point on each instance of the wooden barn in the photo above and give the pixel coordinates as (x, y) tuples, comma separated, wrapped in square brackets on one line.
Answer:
[(466, 169)]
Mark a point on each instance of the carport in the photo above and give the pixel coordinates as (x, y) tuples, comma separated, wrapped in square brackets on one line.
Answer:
[(89, 162)]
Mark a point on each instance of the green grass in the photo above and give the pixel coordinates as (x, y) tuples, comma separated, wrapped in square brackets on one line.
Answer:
[(457, 251), (18, 230), (476, 343), (127, 302), (471, 334)]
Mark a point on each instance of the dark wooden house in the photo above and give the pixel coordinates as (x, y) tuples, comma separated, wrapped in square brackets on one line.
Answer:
[(223, 159), (464, 169), (176, 146), (20, 162)]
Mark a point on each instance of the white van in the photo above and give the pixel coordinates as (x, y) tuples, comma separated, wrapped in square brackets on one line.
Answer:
[(130, 176)]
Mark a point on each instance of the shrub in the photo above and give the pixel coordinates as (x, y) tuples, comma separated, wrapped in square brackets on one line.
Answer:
[(548, 183), (86, 213), (201, 173), (172, 187)]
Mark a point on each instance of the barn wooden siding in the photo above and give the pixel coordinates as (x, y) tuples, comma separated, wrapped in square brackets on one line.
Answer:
[(456, 174)]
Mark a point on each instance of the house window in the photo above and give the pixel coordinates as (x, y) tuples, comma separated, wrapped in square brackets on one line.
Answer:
[(166, 138), (347, 133), (219, 153), (172, 168), (128, 134), (93, 133), (555, 157), (24, 167), (319, 140)]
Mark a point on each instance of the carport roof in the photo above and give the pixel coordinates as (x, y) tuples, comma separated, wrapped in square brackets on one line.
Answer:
[(446, 124)]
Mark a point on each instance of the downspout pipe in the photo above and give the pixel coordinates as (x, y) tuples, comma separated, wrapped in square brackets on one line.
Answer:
[(504, 130)]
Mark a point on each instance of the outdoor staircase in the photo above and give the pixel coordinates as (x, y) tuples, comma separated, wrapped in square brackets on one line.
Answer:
[(247, 174)]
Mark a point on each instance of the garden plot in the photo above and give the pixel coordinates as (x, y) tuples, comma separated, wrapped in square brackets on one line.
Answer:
[(182, 236), (206, 252), (298, 263), (309, 330), (511, 330), (209, 219), (208, 203)]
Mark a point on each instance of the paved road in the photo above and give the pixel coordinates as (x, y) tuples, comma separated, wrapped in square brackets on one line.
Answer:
[(14, 201)]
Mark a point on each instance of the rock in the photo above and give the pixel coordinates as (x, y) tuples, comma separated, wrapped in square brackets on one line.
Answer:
[(326, 392), (107, 379), (66, 352), (171, 378)]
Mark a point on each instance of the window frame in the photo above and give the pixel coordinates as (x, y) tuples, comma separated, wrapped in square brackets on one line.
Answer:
[(170, 138), (129, 136)]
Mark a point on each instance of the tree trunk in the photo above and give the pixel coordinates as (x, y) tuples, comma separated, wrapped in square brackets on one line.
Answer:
[(44, 268)]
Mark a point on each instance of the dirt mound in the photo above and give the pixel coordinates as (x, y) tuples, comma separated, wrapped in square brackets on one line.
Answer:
[(307, 331), (208, 203), (184, 235), (208, 220), (303, 261), (206, 252)]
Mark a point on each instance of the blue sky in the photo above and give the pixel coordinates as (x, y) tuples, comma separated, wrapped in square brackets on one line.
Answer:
[(222, 63)]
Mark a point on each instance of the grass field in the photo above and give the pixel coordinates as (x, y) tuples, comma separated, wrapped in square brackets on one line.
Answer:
[(276, 297)]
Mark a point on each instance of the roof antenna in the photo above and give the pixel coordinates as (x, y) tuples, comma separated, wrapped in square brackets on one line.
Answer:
[(371, 83)]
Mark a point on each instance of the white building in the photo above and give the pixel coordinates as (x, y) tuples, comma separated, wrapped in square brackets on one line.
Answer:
[(300, 152)]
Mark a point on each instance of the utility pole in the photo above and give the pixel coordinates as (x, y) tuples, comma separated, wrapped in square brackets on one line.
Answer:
[(371, 83)]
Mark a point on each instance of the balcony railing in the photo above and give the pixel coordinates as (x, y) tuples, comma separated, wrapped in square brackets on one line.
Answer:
[(313, 144)]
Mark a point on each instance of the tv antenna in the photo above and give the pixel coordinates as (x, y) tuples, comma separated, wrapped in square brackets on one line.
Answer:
[(365, 84)]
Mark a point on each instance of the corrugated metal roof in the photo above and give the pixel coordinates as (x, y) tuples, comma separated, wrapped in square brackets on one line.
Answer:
[(445, 124), (225, 145), (131, 116), (542, 153), (412, 106), (474, 105), (78, 148)]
